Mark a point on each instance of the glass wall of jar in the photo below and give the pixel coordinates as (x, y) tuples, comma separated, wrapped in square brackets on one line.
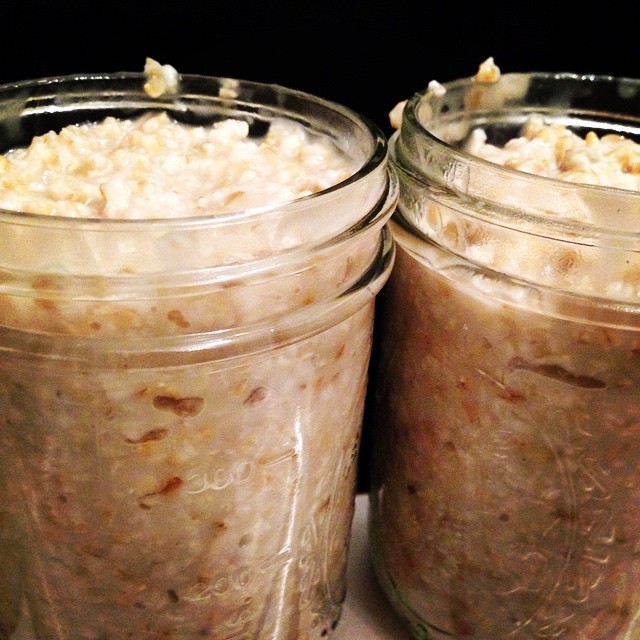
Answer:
[(505, 482), (181, 395)]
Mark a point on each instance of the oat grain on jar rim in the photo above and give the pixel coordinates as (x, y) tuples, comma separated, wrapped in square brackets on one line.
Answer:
[(185, 328), (506, 480)]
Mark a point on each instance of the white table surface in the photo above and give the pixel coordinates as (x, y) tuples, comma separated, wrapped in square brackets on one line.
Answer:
[(366, 614)]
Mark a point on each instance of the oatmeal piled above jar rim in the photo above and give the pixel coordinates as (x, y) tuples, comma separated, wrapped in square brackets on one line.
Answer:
[(155, 167), (551, 150)]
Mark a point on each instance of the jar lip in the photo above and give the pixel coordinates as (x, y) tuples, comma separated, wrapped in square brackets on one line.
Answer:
[(223, 344), (131, 285), (426, 98), (192, 87)]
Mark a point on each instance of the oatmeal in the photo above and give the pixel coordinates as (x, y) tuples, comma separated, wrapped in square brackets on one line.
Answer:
[(505, 480), (154, 167), (184, 342), (488, 72), (554, 151), (160, 78)]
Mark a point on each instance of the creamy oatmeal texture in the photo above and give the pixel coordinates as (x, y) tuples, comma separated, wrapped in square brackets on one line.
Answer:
[(553, 151), (154, 167), (505, 492), (182, 377)]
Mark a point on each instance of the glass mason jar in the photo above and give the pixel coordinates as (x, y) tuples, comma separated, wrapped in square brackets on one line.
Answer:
[(181, 398), (505, 494)]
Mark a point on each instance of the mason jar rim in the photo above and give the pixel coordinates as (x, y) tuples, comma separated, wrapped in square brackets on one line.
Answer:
[(499, 219), (415, 104), (146, 263), (194, 89)]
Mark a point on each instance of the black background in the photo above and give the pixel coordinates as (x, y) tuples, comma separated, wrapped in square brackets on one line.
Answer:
[(367, 55)]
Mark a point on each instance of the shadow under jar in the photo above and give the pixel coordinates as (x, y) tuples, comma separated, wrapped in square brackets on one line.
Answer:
[(181, 397), (505, 495)]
